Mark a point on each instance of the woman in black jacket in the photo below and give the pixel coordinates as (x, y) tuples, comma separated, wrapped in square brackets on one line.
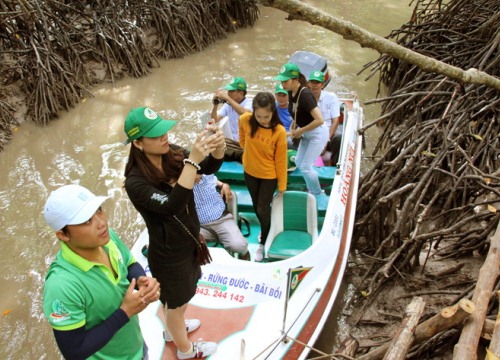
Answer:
[(159, 180)]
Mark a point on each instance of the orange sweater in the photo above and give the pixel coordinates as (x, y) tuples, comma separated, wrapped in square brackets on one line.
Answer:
[(265, 154)]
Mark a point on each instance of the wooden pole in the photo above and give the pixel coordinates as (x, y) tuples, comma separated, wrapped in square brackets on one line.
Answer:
[(403, 339), (466, 348), (446, 319)]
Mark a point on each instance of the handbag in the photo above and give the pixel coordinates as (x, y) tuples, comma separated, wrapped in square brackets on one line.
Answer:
[(203, 256), (296, 141), (233, 151)]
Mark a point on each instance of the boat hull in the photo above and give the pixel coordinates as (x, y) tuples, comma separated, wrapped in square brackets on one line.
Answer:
[(272, 310)]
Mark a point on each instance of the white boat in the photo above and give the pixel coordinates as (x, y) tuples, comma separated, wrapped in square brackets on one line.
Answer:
[(275, 309)]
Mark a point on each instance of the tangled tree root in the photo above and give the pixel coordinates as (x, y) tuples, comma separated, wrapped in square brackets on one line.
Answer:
[(437, 180), (48, 46)]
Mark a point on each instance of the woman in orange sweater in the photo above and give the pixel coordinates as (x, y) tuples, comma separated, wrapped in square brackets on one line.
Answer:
[(264, 143)]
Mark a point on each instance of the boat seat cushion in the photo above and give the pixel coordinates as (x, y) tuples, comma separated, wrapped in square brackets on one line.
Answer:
[(233, 170), (289, 243)]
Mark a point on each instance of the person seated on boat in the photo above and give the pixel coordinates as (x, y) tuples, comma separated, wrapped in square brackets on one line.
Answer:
[(159, 181), (263, 139), (329, 105), (216, 222), (234, 103), (281, 96), (308, 124), (89, 296)]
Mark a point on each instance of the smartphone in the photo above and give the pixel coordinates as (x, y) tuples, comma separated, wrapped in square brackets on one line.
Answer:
[(210, 131)]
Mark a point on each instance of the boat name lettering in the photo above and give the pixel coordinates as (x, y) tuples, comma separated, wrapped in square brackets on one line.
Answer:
[(275, 293), (261, 289), (218, 279), (239, 283), (347, 177)]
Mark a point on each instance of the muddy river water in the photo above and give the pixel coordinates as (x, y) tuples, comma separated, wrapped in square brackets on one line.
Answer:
[(85, 146)]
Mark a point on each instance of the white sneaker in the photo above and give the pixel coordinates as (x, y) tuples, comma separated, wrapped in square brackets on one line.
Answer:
[(200, 350), (259, 254), (191, 325)]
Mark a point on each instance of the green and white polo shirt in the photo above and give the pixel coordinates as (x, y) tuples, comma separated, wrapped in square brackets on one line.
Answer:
[(79, 292)]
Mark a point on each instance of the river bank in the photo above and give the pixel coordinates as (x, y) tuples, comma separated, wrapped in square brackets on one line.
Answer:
[(49, 69)]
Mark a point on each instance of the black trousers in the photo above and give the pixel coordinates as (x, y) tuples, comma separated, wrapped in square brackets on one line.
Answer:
[(261, 192)]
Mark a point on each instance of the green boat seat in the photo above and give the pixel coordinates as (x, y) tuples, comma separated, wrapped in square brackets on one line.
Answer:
[(245, 200), (233, 171), (294, 225)]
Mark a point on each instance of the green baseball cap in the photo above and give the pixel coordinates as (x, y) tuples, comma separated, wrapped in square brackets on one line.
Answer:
[(287, 72), (317, 76), (279, 89), (143, 121), (238, 83)]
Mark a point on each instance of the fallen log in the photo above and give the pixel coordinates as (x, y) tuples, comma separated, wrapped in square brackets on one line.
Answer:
[(466, 348), (403, 339), (446, 319)]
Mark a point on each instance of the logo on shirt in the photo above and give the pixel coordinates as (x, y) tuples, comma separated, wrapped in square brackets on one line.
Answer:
[(159, 197), (59, 312)]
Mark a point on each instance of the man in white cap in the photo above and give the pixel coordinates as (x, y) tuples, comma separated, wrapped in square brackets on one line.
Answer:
[(89, 296)]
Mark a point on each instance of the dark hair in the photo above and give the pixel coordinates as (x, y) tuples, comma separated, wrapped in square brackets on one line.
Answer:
[(302, 79), (171, 163), (262, 100)]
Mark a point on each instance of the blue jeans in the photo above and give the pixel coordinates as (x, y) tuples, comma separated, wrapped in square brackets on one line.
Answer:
[(311, 145)]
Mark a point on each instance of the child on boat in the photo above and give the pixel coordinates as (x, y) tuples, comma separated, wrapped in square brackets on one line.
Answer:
[(264, 143)]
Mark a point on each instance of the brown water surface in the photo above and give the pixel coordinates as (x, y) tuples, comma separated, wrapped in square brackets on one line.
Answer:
[(85, 146)]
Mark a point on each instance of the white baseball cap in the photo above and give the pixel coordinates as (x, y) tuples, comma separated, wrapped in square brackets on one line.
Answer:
[(70, 205)]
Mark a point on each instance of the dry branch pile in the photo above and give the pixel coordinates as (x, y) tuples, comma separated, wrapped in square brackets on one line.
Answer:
[(437, 182), (52, 48), (438, 176)]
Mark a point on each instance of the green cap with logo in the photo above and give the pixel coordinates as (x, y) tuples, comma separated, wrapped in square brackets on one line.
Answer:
[(280, 90), (238, 83), (143, 121), (317, 76), (287, 72)]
